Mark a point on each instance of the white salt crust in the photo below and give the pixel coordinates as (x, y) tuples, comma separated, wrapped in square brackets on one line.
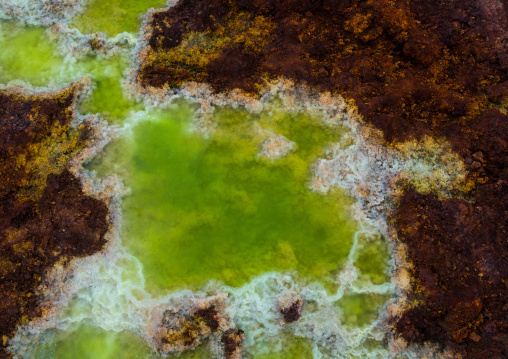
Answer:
[(74, 45), (40, 12), (276, 146)]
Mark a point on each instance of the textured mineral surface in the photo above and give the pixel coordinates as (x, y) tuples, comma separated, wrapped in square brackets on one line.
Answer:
[(426, 76), (414, 68), (45, 217), (179, 331), (459, 251)]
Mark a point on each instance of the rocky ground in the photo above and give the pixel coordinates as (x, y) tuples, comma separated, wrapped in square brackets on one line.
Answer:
[(45, 217), (414, 68)]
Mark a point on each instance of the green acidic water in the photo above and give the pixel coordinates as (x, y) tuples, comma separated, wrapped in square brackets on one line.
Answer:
[(360, 309), (204, 209), (290, 348), (89, 342), (108, 97), (114, 16), (372, 258), (28, 54)]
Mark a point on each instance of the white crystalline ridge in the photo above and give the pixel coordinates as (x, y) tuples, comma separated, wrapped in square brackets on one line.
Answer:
[(74, 45), (40, 12), (116, 304)]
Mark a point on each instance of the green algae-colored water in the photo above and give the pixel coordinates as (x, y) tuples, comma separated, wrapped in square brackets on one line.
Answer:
[(372, 255), (360, 309), (114, 16), (89, 342), (203, 207), (28, 54)]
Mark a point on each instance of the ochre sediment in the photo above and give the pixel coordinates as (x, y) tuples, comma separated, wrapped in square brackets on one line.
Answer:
[(184, 329), (45, 217), (416, 69)]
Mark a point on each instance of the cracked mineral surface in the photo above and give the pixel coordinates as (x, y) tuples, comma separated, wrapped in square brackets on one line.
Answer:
[(258, 179)]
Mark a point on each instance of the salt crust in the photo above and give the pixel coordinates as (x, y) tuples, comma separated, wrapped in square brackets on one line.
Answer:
[(276, 146), (74, 45), (40, 12), (367, 169)]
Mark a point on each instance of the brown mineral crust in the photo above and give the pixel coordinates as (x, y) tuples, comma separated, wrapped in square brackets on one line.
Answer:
[(233, 343), (209, 316), (187, 331), (459, 250), (293, 311), (237, 60), (182, 330), (45, 217)]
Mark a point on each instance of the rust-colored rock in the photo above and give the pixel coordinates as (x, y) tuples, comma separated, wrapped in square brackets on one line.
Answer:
[(45, 217), (184, 328), (233, 343), (413, 67), (460, 253), (291, 309), (186, 332)]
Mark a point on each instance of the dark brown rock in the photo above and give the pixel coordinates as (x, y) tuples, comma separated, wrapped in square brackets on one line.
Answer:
[(459, 250), (45, 217), (410, 67), (233, 343), (292, 311)]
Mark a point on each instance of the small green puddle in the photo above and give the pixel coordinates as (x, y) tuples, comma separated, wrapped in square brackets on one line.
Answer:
[(90, 342), (204, 209), (290, 348), (28, 54), (114, 16), (360, 309), (372, 258)]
